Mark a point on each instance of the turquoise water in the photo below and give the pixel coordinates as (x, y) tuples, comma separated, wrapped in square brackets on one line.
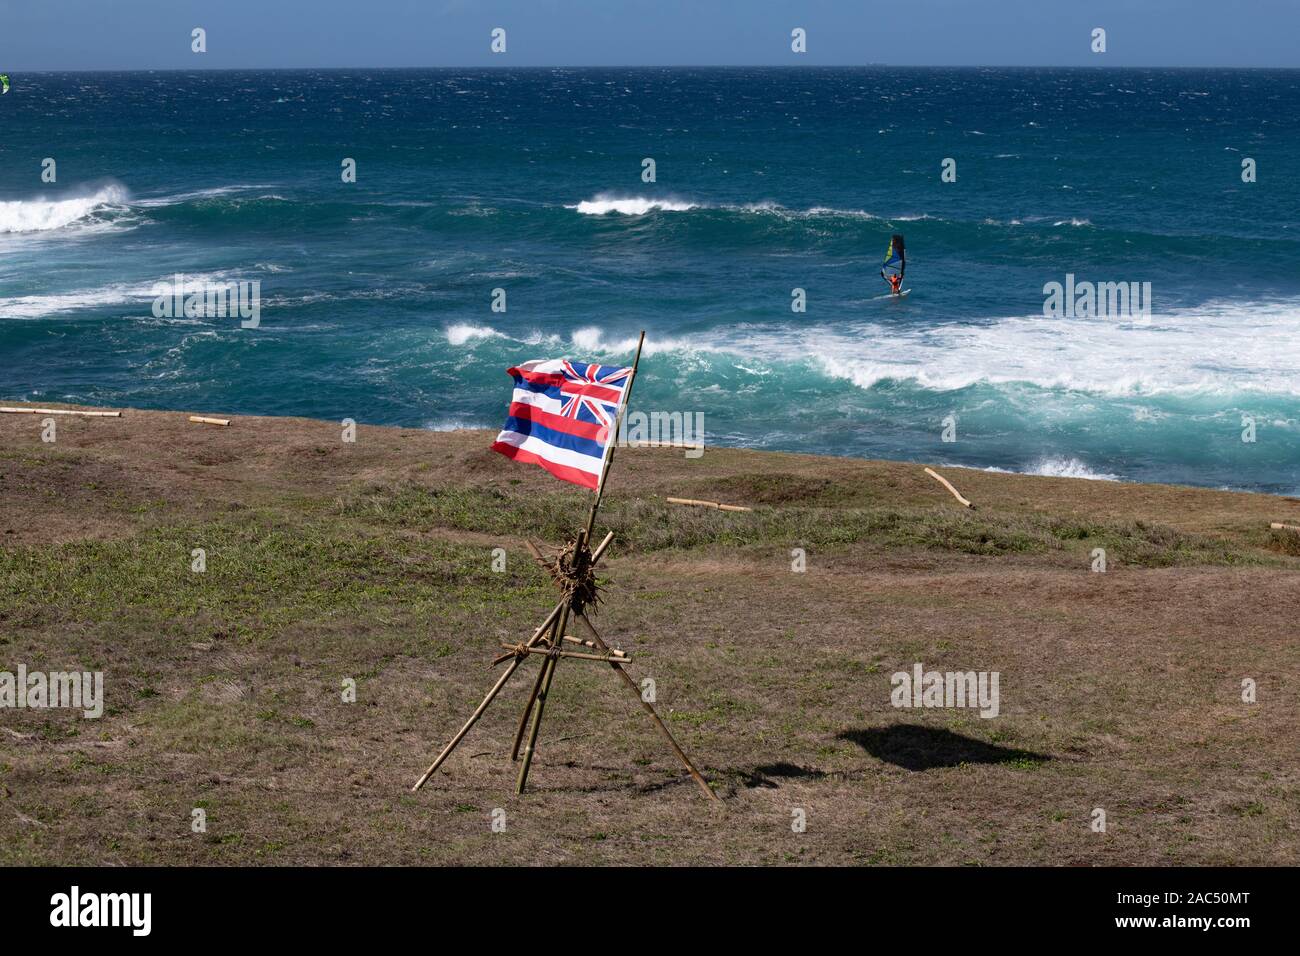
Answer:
[(376, 296)]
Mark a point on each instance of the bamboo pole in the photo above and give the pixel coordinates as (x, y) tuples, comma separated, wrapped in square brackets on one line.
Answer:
[(541, 672), (600, 549), (706, 504), (548, 674), (649, 709), (613, 438), (1279, 526), (569, 638), (528, 707), (595, 555), (203, 420), (947, 484), (58, 411), (537, 554), (491, 695), (613, 655), (532, 709), (538, 704)]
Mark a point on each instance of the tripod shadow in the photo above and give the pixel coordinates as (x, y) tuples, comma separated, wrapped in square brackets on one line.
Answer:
[(914, 747)]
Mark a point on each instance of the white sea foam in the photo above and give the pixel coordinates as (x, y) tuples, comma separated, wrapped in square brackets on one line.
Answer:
[(460, 334), (1218, 349), (116, 293), (1067, 468), (640, 205), (214, 192), (42, 215), (630, 206), (455, 425)]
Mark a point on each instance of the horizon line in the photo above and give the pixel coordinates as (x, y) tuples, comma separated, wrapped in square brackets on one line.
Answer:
[(658, 66)]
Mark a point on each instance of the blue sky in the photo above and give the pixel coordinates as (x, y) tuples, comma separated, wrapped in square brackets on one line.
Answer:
[(155, 34)]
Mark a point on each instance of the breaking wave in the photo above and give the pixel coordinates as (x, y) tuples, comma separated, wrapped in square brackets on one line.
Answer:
[(43, 215)]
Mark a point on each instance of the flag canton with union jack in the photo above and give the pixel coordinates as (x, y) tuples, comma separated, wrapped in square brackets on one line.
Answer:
[(562, 416)]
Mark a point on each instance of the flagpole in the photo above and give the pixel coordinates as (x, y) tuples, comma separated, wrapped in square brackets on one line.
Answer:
[(542, 689), (609, 449)]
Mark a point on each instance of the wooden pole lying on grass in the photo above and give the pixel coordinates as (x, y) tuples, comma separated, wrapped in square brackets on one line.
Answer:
[(202, 420), (1279, 526), (706, 504), (58, 411), (947, 484)]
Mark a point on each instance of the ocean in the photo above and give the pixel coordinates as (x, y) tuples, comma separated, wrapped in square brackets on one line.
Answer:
[(376, 296)]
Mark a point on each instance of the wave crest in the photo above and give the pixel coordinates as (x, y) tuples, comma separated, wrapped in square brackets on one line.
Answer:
[(43, 215), (630, 206)]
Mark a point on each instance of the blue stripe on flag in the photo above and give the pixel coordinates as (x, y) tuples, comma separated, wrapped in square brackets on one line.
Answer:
[(583, 446)]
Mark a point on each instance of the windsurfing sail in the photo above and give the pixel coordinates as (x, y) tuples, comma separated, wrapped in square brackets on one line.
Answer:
[(895, 258), (4, 81)]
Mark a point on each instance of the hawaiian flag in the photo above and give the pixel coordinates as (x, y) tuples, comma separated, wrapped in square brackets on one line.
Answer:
[(563, 416)]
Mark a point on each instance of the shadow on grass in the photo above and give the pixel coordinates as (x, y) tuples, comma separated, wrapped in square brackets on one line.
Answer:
[(762, 776), (914, 747)]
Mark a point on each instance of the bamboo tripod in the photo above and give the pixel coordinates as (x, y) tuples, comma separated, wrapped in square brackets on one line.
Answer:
[(574, 573)]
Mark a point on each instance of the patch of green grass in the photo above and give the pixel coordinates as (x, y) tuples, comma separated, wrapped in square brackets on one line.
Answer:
[(266, 571), (644, 525)]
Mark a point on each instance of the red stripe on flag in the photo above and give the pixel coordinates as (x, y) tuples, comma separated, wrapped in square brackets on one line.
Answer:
[(563, 472), (567, 386), (538, 378), (570, 426), (590, 388)]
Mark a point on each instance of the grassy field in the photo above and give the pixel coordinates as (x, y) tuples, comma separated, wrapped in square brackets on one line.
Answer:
[(373, 561)]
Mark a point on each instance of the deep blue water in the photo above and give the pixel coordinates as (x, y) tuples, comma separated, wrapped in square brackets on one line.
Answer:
[(376, 296)]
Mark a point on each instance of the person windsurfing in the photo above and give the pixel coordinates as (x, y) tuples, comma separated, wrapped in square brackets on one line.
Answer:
[(895, 264)]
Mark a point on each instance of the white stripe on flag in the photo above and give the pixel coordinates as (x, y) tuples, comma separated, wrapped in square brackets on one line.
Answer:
[(561, 456), (538, 400)]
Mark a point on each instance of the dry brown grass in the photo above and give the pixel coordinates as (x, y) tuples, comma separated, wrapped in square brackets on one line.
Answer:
[(372, 561)]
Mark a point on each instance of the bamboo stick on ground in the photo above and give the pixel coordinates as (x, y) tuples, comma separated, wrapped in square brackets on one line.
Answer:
[(58, 411), (204, 420), (706, 504), (947, 484), (1279, 526)]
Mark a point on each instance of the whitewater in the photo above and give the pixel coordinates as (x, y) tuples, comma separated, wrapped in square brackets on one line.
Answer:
[(381, 298)]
